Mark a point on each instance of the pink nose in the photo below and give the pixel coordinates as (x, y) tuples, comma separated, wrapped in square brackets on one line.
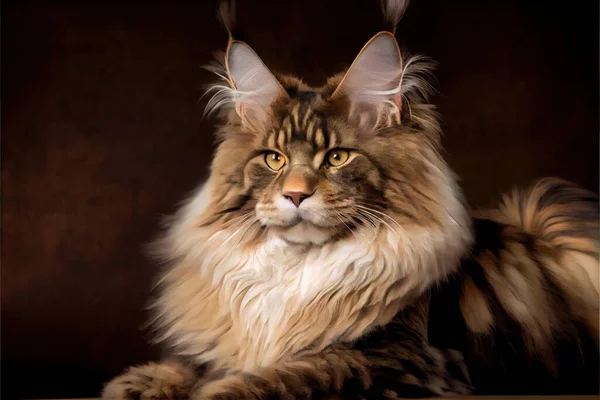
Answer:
[(296, 197)]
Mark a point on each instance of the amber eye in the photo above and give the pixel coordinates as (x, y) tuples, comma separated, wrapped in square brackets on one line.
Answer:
[(337, 157), (275, 161)]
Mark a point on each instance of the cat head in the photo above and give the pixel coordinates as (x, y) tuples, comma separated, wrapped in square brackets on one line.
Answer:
[(312, 164)]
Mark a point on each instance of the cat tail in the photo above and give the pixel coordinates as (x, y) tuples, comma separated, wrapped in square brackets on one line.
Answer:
[(534, 271), (563, 219), (393, 10)]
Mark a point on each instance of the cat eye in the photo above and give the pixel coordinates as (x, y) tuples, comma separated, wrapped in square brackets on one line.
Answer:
[(337, 157), (274, 160)]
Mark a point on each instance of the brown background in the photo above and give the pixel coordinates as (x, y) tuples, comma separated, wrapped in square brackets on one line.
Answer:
[(102, 134)]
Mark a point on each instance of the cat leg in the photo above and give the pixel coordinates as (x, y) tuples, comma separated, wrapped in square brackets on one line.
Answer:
[(392, 362), (167, 380), (349, 373)]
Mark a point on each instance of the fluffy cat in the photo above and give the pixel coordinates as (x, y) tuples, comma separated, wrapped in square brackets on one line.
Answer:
[(307, 264)]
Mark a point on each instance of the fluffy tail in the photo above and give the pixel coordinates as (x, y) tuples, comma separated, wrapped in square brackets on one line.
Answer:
[(393, 10), (535, 268), (562, 217)]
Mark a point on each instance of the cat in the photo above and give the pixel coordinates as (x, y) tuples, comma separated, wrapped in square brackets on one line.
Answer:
[(331, 254)]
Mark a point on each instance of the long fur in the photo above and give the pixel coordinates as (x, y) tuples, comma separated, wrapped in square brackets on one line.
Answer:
[(544, 274), (528, 294), (222, 94), (256, 303)]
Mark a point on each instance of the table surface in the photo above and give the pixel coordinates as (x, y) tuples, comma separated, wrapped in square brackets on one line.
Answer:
[(446, 398)]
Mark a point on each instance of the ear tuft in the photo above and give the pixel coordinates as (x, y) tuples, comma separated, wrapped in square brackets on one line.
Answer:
[(393, 11), (251, 86), (379, 82)]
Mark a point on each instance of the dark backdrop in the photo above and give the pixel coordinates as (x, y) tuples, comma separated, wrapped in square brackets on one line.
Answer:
[(102, 134)]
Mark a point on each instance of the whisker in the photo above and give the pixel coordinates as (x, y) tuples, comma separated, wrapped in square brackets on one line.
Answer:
[(250, 213), (364, 220), (252, 222), (379, 219), (242, 225), (342, 221), (369, 218), (229, 224), (380, 213)]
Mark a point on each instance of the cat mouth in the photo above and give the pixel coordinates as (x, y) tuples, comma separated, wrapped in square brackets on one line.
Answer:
[(298, 222), (316, 219), (302, 220), (303, 232)]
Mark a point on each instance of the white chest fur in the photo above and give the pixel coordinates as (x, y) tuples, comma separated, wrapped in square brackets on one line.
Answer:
[(248, 306)]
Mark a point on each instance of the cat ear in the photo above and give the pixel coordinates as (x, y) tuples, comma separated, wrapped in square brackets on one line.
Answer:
[(254, 87), (372, 83)]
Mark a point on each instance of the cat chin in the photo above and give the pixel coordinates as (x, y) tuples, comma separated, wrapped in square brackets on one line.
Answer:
[(304, 233)]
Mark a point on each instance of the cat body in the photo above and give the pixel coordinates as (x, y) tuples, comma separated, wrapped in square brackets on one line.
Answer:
[(265, 291), (523, 307), (304, 266)]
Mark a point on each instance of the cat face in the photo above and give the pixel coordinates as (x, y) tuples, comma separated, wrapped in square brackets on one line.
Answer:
[(314, 164), (311, 176)]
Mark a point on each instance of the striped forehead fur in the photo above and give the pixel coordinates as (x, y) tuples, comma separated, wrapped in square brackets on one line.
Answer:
[(302, 123)]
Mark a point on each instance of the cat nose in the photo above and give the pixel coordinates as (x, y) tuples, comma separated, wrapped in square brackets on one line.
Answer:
[(299, 184), (297, 197)]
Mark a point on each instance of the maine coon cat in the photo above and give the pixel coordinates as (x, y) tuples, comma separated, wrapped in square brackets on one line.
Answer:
[(330, 252)]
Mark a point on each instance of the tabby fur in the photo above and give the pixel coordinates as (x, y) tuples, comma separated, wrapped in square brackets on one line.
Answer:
[(316, 279)]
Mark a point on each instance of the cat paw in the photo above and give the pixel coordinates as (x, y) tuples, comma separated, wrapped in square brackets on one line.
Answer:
[(440, 372), (453, 378), (153, 381), (235, 387)]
